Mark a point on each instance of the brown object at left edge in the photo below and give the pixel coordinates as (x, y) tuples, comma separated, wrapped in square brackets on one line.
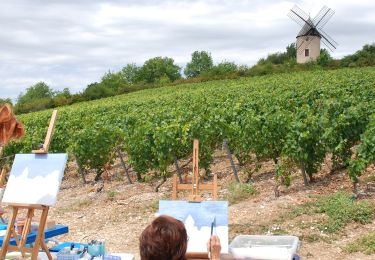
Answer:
[(10, 128)]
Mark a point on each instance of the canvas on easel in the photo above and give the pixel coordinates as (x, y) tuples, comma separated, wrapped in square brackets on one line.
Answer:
[(198, 219), (35, 179)]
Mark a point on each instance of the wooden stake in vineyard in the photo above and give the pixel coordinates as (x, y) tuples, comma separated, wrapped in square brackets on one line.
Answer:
[(195, 186)]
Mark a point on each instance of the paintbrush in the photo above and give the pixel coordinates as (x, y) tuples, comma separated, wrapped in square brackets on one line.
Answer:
[(213, 232)]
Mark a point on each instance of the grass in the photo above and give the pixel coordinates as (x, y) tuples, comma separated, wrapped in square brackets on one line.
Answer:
[(239, 192), (370, 178), (111, 195), (340, 208), (314, 237), (247, 228), (364, 244), (82, 203)]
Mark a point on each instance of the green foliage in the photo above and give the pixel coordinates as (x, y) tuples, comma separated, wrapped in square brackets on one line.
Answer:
[(112, 81), (364, 57), (239, 191), (340, 208), (96, 91), (280, 57), (291, 51), (201, 62), (365, 151), (62, 98), (112, 194), (343, 209), (300, 117), (37, 97), (159, 70), (324, 58), (364, 244), (223, 68), (284, 169), (94, 146), (130, 74), (6, 101)]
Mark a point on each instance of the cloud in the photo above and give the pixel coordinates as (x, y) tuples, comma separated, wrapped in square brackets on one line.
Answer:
[(73, 43)]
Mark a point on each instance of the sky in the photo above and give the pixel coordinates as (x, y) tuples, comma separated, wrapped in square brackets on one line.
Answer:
[(72, 43)]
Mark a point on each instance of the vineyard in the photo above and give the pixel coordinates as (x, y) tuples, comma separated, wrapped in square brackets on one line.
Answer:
[(294, 119)]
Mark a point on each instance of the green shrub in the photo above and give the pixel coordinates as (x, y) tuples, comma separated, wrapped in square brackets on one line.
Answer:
[(364, 244), (239, 192), (112, 194), (94, 147), (342, 209)]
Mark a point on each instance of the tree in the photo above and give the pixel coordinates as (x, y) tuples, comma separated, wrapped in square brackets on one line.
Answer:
[(324, 58), (96, 91), (159, 70), (39, 90), (6, 101), (37, 97), (364, 57), (62, 98), (201, 62), (112, 81), (291, 51), (223, 68), (130, 73)]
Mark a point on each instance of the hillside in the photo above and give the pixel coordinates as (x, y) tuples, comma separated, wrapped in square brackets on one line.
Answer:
[(299, 136), (294, 119)]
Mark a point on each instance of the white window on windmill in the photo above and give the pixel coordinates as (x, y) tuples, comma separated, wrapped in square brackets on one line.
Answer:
[(307, 52)]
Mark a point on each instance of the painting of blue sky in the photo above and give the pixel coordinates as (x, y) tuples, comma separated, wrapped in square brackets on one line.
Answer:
[(35, 179), (198, 218)]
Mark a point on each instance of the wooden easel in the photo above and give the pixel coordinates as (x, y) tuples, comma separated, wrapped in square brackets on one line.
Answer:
[(39, 241), (195, 186), (195, 195)]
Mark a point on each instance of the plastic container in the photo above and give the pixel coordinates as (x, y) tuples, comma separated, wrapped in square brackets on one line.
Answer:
[(111, 257), (97, 248), (264, 247), (64, 256)]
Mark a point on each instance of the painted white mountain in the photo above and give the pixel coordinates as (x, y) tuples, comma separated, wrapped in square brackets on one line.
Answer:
[(198, 237)]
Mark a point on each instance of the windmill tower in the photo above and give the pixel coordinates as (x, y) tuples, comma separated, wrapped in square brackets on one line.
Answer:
[(311, 33)]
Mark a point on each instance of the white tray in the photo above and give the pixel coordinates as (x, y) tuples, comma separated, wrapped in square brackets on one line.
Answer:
[(264, 247)]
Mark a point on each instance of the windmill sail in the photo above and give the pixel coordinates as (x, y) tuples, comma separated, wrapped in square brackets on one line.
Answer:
[(313, 27)]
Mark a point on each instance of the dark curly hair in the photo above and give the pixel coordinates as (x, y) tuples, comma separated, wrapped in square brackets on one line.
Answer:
[(164, 239)]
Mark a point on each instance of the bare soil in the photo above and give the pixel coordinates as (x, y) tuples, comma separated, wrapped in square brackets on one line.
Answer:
[(118, 212)]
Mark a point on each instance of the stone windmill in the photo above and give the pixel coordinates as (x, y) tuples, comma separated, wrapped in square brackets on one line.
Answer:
[(311, 33)]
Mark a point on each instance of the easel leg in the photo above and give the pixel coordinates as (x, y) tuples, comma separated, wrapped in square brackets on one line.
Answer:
[(10, 228), (15, 236), (215, 187), (40, 236), (45, 248), (174, 188), (26, 230)]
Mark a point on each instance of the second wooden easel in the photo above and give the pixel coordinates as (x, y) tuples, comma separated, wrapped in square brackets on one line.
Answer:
[(196, 187), (39, 241)]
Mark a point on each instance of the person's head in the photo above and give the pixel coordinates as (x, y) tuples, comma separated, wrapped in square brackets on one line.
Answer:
[(164, 239)]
